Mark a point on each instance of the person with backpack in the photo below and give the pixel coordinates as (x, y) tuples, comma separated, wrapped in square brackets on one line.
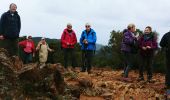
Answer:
[(28, 48), (127, 47), (147, 45), (43, 49), (68, 42), (165, 44), (88, 46), (10, 25)]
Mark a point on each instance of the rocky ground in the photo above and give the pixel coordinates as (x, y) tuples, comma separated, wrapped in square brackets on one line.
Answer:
[(29, 82)]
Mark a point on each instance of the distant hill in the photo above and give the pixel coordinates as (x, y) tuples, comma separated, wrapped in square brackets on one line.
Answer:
[(37, 39)]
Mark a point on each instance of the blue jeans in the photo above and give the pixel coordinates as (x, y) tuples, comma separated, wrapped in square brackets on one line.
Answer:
[(27, 58), (128, 63)]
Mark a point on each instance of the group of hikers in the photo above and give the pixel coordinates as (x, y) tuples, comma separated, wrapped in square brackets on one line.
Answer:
[(10, 25)]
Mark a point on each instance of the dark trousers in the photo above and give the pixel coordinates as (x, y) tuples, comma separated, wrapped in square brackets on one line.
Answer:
[(167, 76), (69, 51), (146, 62), (87, 56), (11, 45), (127, 62), (27, 58)]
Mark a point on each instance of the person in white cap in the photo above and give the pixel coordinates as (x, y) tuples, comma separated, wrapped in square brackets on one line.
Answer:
[(88, 46), (68, 41), (43, 49)]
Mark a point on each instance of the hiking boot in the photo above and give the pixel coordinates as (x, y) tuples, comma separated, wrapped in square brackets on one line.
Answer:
[(89, 71), (140, 79)]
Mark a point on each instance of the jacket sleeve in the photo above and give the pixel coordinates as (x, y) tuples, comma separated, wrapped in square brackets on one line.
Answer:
[(2, 23), (93, 39), (63, 40), (128, 39), (164, 41), (74, 39), (33, 47), (140, 42), (22, 43), (19, 23), (81, 39), (154, 44)]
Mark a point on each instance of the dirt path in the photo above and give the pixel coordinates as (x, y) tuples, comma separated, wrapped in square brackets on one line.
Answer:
[(105, 84)]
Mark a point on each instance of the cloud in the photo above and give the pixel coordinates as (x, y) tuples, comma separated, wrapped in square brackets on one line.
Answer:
[(49, 18)]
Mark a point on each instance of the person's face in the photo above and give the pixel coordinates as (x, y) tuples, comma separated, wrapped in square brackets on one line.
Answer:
[(43, 40), (13, 8), (87, 27), (69, 27), (133, 29), (147, 31)]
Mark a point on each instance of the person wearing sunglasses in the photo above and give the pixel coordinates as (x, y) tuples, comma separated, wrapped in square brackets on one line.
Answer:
[(88, 46)]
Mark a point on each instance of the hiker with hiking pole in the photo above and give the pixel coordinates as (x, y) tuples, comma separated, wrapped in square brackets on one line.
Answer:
[(88, 46)]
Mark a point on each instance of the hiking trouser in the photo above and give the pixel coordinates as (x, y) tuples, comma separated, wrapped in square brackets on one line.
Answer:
[(128, 62), (167, 76), (27, 58), (87, 56), (146, 62), (67, 52), (11, 45)]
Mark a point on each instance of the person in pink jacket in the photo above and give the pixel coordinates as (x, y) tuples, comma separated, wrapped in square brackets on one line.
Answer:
[(28, 48)]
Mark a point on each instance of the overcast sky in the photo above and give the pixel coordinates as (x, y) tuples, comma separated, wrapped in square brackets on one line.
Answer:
[(48, 18)]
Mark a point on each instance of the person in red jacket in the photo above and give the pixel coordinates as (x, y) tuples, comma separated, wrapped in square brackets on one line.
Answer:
[(28, 48), (68, 41)]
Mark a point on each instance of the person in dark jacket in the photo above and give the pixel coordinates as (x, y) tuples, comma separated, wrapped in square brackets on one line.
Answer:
[(147, 44), (87, 42), (165, 44), (68, 41), (10, 25), (127, 46)]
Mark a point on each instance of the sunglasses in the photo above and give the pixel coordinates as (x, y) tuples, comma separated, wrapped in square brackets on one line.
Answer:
[(87, 26)]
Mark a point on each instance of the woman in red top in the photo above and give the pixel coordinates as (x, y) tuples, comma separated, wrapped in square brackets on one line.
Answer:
[(68, 41), (28, 48)]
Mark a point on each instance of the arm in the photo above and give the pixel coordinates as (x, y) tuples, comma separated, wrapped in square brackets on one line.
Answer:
[(22, 43), (164, 41), (2, 23), (128, 39), (19, 23), (81, 38), (154, 44), (63, 40), (38, 46), (74, 39)]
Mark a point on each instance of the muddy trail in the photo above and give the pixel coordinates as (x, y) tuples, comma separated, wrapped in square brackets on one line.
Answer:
[(51, 82)]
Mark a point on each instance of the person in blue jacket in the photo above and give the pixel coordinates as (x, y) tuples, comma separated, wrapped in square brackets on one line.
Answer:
[(88, 46)]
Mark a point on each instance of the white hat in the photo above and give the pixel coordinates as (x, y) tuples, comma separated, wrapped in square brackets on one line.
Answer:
[(87, 24), (42, 38)]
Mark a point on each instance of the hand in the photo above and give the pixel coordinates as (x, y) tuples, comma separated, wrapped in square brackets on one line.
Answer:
[(144, 48), (51, 50), (68, 43), (148, 47), (1, 37), (33, 55), (84, 41)]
